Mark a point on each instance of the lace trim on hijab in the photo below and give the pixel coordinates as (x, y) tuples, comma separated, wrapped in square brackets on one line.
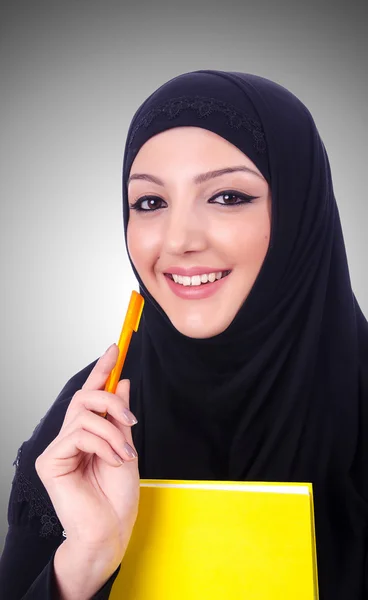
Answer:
[(39, 506), (204, 107)]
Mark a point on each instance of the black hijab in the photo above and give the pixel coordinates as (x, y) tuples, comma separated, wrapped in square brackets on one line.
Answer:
[(281, 394)]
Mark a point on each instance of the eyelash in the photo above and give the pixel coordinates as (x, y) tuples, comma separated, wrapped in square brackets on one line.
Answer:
[(244, 199)]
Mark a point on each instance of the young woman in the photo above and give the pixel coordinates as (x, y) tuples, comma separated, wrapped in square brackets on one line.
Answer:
[(251, 359)]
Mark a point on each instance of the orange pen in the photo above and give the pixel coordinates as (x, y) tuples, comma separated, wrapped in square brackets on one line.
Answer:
[(131, 323)]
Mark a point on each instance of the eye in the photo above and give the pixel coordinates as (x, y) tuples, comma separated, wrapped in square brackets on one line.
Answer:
[(232, 198), (147, 204)]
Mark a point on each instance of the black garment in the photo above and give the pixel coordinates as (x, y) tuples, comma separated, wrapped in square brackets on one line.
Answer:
[(282, 394)]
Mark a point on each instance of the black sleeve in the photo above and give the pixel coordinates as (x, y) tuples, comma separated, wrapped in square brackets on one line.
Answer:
[(359, 470), (26, 568), (34, 530)]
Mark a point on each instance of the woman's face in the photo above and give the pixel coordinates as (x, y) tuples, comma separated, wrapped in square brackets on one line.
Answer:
[(193, 227)]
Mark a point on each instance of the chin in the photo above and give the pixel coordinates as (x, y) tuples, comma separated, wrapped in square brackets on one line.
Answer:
[(192, 328)]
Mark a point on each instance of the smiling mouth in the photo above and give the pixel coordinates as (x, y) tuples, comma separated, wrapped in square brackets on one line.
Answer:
[(198, 280)]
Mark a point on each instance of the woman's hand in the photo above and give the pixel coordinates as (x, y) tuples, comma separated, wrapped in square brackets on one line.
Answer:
[(95, 496)]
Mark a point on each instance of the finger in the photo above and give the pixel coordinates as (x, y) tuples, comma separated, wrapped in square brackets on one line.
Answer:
[(62, 457), (102, 369), (100, 402), (123, 393), (102, 428), (95, 381)]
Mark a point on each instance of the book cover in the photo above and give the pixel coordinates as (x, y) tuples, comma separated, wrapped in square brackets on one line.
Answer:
[(199, 540)]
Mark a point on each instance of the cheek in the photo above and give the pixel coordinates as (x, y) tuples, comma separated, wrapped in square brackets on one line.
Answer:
[(143, 245), (254, 244), (246, 241)]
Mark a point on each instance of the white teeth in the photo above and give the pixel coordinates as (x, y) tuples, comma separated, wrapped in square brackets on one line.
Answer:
[(197, 280)]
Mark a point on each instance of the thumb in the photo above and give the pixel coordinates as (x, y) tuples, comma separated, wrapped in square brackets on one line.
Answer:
[(123, 391)]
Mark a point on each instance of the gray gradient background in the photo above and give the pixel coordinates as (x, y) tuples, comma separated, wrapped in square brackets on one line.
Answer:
[(72, 75)]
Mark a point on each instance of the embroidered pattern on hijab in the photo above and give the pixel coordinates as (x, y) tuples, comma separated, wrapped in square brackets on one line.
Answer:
[(204, 107), (277, 395)]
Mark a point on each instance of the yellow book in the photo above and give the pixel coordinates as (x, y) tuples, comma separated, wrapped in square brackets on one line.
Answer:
[(213, 540)]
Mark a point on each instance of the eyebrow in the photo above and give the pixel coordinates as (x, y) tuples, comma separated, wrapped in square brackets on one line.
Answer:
[(198, 178)]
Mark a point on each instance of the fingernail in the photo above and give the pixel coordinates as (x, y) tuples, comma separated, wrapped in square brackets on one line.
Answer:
[(109, 348), (118, 458), (132, 420), (130, 451)]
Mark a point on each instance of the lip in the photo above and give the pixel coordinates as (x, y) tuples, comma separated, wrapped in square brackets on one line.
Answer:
[(194, 270), (199, 292)]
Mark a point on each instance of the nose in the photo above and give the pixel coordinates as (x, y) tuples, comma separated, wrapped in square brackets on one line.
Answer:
[(185, 231)]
